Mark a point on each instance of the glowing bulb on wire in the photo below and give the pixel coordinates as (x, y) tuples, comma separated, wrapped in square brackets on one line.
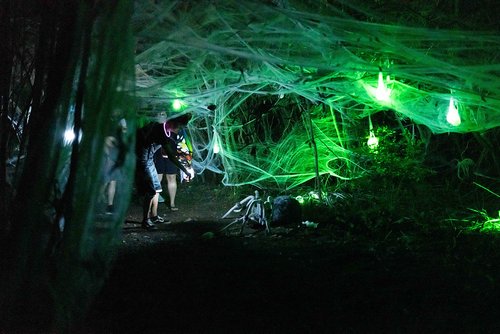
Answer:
[(216, 146), (177, 104), (382, 93), (452, 116), (372, 141)]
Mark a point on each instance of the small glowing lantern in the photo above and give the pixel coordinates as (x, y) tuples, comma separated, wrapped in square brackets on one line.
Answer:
[(217, 147), (177, 104), (382, 93), (452, 116), (372, 141)]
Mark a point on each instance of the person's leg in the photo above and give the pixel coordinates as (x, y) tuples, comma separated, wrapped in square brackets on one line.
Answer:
[(146, 207), (155, 218), (172, 188), (154, 205), (160, 197), (151, 186), (111, 191)]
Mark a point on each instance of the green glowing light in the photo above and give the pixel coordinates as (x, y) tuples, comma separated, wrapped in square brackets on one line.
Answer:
[(177, 104), (453, 117), (485, 223), (382, 93), (274, 78), (372, 141), (216, 143)]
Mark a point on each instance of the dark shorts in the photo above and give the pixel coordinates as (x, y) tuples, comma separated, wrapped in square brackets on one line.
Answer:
[(147, 176), (164, 165), (111, 171)]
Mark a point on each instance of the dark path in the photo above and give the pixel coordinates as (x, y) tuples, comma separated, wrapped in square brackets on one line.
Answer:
[(266, 285)]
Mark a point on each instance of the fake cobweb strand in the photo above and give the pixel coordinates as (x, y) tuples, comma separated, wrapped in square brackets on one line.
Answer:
[(272, 55)]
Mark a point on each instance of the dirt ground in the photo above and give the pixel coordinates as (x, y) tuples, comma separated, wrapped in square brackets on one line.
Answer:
[(189, 277)]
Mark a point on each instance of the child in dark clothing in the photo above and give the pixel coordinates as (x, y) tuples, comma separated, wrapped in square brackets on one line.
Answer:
[(151, 138)]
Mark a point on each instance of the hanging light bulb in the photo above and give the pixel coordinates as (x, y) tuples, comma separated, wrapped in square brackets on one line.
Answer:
[(372, 139), (216, 148), (452, 116), (216, 143), (177, 104), (382, 93)]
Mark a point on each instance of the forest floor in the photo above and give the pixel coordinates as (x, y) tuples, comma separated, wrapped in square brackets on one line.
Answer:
[(190, 277)]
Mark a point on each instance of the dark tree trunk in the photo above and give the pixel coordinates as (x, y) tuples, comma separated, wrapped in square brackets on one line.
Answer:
[(6, 55)]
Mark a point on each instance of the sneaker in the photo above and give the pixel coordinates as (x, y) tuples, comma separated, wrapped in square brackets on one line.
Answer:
[(158, 220), (148, 225), (161, 199)]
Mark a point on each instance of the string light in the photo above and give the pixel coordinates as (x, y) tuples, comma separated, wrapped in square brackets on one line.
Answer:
[(382, 93), (372, 139), (216, 146), (177, 104), (452, 116)]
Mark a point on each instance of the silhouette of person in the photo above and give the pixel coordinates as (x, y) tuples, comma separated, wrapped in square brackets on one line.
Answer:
[(150, 138)]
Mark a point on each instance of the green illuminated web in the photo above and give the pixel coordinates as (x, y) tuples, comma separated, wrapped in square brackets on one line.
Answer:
[(288, 80)]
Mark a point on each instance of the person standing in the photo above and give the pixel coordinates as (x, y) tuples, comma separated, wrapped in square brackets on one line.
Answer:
[(111, 173), (150, 138), (113, 161), (165, 167)]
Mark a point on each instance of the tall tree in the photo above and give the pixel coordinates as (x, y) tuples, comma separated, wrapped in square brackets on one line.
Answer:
[(82, 79)]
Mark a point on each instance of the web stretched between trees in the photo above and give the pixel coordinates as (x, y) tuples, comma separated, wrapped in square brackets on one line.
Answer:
[(287, 83), (284, 73)]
